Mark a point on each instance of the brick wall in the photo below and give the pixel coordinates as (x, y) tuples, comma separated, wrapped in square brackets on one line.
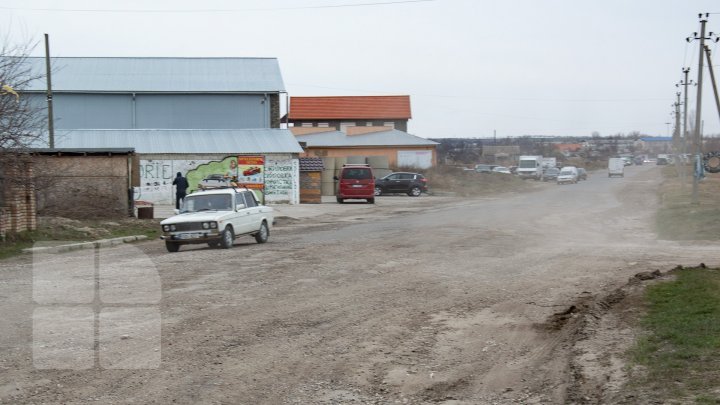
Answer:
[(17, 206), (79, 186)]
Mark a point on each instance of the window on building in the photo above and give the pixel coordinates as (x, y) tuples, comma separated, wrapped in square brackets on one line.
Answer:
[(389, 124), (323, 125), (307, 125)]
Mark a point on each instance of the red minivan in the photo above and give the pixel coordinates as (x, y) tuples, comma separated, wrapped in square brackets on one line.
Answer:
[(356, 181)]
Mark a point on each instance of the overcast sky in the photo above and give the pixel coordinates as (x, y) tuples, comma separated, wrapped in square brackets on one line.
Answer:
[(471, 67)]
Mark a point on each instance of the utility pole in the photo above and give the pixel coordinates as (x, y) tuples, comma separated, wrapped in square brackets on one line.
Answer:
[(712, 76), (676, 142), (685, 82), (51, 124), (697, 142)]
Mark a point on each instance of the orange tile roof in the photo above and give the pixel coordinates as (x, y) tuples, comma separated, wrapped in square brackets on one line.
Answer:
[(350, 107)]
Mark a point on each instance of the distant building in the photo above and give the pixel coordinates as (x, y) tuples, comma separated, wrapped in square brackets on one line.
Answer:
[(341, 112)]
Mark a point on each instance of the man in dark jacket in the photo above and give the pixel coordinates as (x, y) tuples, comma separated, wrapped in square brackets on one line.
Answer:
[(182, 185)]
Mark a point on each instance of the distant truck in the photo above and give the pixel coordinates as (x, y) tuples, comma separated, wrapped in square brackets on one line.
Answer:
[(530, 167), (616, 167)]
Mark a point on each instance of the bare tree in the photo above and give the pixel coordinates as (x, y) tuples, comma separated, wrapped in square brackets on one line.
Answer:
[(21, 121)]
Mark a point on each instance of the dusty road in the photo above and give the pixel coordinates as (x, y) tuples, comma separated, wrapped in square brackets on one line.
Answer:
[(435, 303)]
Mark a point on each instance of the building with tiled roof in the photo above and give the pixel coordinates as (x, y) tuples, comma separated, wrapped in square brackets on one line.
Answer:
[(342, 112)]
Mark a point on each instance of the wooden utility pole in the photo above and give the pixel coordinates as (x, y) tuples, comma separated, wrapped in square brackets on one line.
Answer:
[(51, 123)]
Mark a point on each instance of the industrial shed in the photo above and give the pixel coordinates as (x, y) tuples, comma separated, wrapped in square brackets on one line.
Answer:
[(161, 93), (161, 153)]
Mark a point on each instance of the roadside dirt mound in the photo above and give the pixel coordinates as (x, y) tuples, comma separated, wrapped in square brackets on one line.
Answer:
[(601, 329)]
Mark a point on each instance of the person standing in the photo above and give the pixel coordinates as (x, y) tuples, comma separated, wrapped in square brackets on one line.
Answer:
[(181, 185)]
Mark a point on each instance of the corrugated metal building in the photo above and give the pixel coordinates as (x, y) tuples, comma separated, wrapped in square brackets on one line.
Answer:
[(164, 93), (197, 116)]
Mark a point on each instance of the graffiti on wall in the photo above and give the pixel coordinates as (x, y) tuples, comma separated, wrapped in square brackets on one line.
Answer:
[(156, 177), (279, 177)]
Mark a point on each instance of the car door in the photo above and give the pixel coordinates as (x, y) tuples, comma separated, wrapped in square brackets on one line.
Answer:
[(251, 212), (401, 184), (389, 184), (404, 182)]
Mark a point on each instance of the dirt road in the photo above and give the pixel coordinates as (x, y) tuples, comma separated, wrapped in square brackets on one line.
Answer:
[(439, 302)]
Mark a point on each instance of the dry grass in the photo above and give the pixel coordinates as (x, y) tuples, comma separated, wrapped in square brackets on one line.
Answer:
[(449, 179), (678, 218)]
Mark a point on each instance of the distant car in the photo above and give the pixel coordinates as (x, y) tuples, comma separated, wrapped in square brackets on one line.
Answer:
[(568, 174), (484, 168), (628, 161), (551, 174), (661, 161), (412, 184), (582, 173), (501, 169), (638, 160), (355, 182)]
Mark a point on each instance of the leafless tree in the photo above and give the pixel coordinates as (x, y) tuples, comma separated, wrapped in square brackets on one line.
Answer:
[(21, 120)]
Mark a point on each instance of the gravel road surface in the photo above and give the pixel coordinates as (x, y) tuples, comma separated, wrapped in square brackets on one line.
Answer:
[(416, 300)]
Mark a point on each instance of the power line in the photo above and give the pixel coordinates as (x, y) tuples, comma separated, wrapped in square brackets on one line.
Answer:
[(482, 98), (226, 10)]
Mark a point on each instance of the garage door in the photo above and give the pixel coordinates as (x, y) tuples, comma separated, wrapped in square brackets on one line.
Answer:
[(421, 159)]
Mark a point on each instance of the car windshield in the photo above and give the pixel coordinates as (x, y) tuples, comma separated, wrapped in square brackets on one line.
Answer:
[(357, 174), (566, 173), (207, 202), (552, 171)]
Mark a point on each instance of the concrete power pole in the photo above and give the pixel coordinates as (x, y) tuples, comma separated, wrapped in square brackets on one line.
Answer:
[(712, 77), (685, 82), (677, 142), (697, 147)]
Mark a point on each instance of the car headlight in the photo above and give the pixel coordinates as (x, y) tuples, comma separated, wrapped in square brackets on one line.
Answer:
[(213, 225), (206, 225), (172, 227), (166, 228)]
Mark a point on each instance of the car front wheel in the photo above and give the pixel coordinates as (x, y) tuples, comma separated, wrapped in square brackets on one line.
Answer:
[(415, 192), (227, 238), (378, 191), (172, 247), (263, 234)]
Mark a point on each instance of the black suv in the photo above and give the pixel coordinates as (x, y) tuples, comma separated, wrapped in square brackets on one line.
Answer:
[(413, 184)]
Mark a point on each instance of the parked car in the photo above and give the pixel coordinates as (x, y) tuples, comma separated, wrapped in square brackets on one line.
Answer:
[(412, 184), (661, 161), (501, 169), (568, 174), (551, 174), (484, 168), (217, 217), (355, 182), (582, 173), (215, 180)]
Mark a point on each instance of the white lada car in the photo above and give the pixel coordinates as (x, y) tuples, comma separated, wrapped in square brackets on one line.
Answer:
[(217, 217)]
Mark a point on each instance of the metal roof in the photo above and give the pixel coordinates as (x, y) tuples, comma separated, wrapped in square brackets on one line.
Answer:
[(385, 138), (147, 141), (243, 75)]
